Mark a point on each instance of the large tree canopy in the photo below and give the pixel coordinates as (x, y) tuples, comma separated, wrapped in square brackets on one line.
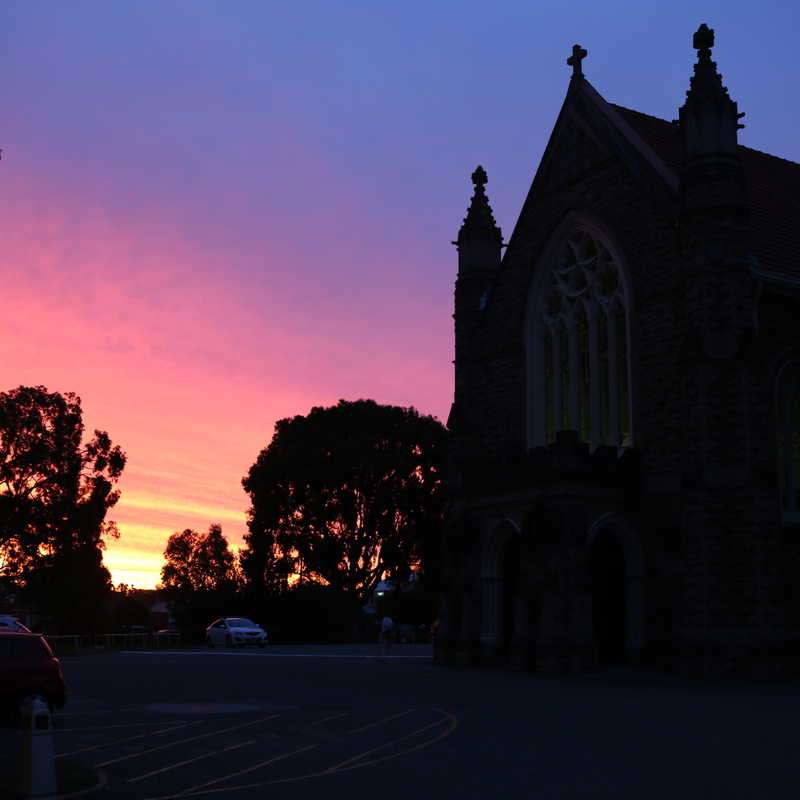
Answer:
[(344, 494), (55, 492)]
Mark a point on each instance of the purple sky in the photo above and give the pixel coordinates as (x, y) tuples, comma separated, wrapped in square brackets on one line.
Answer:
[(217, 214)]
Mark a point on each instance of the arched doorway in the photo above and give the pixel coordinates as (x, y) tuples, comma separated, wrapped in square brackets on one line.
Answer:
[(609, 618), (510, 579)]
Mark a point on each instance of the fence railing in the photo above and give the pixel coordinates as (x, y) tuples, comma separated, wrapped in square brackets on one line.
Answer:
[(112, 641)]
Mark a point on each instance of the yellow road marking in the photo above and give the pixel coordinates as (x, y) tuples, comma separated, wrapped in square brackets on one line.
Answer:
[(188, 761), (328, 719), (247, 769), (128, 739), (380, 721), (183, 741), (341, 764)]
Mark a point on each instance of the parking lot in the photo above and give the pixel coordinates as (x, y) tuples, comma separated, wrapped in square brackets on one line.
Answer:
[(294, 722), (204, 748)]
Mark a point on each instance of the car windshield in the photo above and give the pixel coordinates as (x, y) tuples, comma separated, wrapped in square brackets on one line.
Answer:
[(240, 622), (12, 624)]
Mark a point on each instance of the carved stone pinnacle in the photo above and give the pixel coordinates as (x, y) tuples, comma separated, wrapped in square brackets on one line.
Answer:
[(479, 177), (703, 38)]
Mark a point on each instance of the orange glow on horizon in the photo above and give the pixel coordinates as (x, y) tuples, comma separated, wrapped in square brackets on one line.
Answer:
[(186, 371)]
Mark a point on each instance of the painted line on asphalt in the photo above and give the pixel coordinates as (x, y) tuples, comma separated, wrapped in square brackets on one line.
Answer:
[(183, 741), (248, 769), (328, 719), (188, 761), (121, 725), (85, 713), (380, 721), (270, 655), (454, 722), (341, 764), (128, 739)]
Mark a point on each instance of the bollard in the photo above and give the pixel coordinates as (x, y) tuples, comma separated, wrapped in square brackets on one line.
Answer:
[(38, 764)]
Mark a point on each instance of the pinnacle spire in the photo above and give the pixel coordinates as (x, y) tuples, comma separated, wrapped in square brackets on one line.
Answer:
[(706, 83), (709, 118), (479, 222)]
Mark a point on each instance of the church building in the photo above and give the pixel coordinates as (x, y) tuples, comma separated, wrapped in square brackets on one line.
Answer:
[(625, 434)]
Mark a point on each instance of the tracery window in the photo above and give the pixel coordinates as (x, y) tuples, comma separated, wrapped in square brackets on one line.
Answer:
[(581, 355), (789, 440)]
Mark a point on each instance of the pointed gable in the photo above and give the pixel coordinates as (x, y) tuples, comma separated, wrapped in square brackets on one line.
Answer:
[(591, 133)]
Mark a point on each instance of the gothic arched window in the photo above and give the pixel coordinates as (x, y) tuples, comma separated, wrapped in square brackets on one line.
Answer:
[(788, 419), (580, 360)]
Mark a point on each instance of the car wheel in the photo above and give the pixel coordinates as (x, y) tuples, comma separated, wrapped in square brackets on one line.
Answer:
[(228, 641), (209, 643)]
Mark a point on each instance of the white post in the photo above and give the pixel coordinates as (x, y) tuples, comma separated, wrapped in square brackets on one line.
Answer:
[(38, 767)]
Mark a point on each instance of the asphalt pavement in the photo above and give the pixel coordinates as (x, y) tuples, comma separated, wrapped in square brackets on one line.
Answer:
[(344, 721)]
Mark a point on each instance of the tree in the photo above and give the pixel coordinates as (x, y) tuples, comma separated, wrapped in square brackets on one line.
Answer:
[(345, 494), (130, 606), (55, 493), (199, 577), (198, 563)]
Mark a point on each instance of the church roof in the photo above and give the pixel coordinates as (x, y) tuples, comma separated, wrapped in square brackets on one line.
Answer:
[(773, 186)]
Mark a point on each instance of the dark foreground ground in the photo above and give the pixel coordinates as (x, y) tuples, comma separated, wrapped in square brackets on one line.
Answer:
[(335, 721)]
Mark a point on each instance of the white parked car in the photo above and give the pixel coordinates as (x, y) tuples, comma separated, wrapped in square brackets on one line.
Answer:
[(235, 632)]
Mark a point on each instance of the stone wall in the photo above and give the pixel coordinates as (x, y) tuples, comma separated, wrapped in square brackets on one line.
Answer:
[(720, 570)]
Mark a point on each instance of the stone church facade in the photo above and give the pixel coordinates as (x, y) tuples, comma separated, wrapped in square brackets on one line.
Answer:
[(625, 432)]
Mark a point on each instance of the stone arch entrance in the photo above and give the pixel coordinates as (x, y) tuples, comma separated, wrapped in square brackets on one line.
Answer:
[(510, 584), (616, 571), (500, 585), (607, 568)]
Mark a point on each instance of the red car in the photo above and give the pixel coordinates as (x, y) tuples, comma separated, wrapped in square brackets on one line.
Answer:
[(28, 667)]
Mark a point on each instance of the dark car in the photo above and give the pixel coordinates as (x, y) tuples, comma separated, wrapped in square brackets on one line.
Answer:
[(28, 667)]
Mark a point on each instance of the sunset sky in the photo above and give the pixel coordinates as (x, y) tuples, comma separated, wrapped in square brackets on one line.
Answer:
[(218, 214)]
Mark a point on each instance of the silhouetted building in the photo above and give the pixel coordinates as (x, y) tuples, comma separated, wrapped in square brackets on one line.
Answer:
[(626, 426)]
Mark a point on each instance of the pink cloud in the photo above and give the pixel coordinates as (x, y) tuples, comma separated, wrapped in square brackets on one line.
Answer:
[(188, 357)]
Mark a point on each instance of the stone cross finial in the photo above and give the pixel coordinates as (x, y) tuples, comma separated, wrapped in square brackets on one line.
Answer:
[(479, 177), (578, 54), (703, 39)]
